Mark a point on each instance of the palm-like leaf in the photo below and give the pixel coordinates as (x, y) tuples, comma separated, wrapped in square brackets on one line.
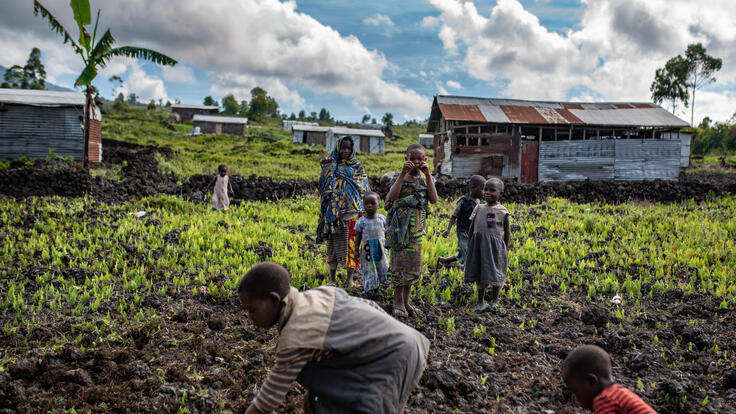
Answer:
[(102, 47), (88, 74), (56, 26), (140, 53), (83, 17)]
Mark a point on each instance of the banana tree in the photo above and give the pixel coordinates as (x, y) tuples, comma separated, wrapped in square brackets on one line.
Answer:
[(95, 54)]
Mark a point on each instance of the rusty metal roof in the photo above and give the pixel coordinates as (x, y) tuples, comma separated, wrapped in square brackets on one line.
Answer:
[(515, 111)]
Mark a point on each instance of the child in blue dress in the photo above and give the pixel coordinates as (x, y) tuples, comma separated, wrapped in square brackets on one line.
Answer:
[(371, 233)]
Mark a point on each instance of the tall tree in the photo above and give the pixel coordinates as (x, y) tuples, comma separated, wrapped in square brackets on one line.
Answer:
[(302, 115), (388, 119), (261, 104), (95, 54), (30, 76), (230, 105), (209, 101), (702, 68), (324, 115), (366, 118), (670, 82)]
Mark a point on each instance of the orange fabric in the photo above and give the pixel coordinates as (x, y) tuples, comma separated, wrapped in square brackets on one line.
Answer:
[(617, 399), (352, 263)]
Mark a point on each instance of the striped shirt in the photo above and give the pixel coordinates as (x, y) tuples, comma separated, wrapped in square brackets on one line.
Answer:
[(616, 399), (289, 363)]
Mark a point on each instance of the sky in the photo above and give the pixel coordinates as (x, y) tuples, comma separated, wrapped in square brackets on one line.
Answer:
[(372, 57)]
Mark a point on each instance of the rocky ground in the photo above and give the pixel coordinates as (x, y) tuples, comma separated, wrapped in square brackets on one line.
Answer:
[(141, 177)]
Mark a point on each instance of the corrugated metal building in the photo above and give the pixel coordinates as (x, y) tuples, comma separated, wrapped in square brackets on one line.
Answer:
[(288, 124), (186, 112), (314, 135), (369, 141), (32, 122), (426, 140), (209, 124), (556, 141)]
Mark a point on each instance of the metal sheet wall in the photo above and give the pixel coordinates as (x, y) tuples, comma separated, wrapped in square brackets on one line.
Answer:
[(33, 130), (625, 159)]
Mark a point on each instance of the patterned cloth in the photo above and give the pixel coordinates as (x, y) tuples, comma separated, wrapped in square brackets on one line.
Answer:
[(341, 247), (342, 185), (487, 260), (406, 222), (220, 200), (373, 256), (407, 214)]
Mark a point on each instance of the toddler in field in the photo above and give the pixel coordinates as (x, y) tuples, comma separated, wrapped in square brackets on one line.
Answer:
[(342, 185), (371, 229), (489, 238), (221, 186), (371, 369), (463, 209), (587, 372), (409, 197)]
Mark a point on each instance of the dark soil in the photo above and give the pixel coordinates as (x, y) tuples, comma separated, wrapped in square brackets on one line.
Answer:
[(194, 351), (204, 354)]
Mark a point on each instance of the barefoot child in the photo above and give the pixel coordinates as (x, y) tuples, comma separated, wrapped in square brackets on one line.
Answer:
[(368, 370), (587, 372), (342, 184), (371, 232), (461, 215), (488, 243), (221, 186), (407, 215)]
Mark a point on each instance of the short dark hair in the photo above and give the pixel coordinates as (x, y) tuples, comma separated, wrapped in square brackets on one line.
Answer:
[(221, 166), (476, 181), (587, 359), (415, 147), (372, 194), (265, 278), (496, 182)]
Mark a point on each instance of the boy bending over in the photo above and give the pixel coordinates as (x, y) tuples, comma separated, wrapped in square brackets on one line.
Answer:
[(587, 372), (347, 352)]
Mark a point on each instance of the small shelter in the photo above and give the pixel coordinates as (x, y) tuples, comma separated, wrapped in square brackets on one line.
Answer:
[(32, 122), (186, 112), (209, 124), (369, 141), (556, 141), (288, 124), (314, 135), (426, 140)]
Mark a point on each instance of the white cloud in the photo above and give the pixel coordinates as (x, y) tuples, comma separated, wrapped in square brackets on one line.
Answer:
[(441, 89), (612, 56), (268, 42), (453, 84), (137, 81), (378, 20), (179, 74)]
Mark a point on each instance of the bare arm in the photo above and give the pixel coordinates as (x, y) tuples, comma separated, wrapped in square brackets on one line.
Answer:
[(212, 183), (230, 187), (431, 190), (507, 232), (449, 227), (393, 193)]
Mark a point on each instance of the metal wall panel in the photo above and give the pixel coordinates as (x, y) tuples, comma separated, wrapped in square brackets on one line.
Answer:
[(33, 130), (576, 160), (622, 159)]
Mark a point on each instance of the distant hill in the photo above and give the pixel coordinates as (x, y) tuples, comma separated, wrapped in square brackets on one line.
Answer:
[(49, 86)]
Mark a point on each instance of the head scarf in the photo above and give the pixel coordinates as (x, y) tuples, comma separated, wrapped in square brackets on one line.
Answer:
[(342, 185)]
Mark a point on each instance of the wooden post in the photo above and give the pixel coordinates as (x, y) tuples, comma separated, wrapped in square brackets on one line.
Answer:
[(569, 133), (87, 109)]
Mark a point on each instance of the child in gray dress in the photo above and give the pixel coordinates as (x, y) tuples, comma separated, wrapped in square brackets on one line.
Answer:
[(489, 238)]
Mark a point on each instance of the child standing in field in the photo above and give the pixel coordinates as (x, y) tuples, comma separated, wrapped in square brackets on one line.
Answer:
[(489, 239), (371, 229), (221, 186), (587, 372), (463, 209), (342, 185), (409, 196), (369, 369)]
